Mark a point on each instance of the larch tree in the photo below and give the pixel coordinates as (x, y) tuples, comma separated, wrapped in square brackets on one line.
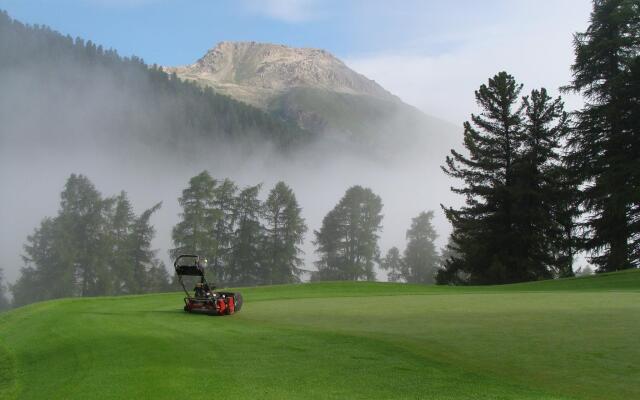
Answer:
[(224, 203), (121, 260), (347, 241), (84, 240), (246, 261), (194, 233), (284, 234)]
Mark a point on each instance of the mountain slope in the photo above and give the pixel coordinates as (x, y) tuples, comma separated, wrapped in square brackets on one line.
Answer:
[(333, 340), (314, 89), (59, 90)]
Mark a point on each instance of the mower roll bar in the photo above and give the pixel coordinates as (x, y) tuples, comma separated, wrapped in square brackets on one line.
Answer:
[(193, 269)]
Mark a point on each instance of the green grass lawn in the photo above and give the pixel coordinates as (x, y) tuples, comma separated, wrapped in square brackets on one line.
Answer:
[(568, 339)]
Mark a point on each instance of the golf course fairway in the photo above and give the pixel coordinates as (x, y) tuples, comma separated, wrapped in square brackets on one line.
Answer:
[(566, 339)]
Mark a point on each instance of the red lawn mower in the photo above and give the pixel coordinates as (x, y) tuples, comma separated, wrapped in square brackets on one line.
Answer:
[(204, 300)]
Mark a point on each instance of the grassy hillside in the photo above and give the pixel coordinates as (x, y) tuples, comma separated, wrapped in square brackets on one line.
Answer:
[(568, 339)]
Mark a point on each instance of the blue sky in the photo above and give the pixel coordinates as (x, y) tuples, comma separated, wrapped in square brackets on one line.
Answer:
[(171, 32), (433, 54)]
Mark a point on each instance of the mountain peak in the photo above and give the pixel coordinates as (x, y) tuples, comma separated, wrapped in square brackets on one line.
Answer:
[(255, 72)]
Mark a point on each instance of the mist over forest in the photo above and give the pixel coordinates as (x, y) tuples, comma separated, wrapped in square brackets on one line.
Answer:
[(77, 108)]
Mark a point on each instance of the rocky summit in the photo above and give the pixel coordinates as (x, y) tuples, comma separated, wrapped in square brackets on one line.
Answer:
[(256, 73)]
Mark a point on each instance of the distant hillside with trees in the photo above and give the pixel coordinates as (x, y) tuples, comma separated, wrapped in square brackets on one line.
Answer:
[(70, 86)]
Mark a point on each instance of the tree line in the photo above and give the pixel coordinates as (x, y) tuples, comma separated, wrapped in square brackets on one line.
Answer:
[(250, 242), (97, 245), (245, 240), (540, 184)]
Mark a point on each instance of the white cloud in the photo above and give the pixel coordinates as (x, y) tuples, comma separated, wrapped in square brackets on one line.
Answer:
[(535, 47), (291, 11)]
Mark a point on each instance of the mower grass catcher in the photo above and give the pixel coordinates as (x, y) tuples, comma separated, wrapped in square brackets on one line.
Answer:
[(204, 300)]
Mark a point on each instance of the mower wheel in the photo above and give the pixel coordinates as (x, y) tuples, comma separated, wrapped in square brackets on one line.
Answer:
[(237, 300), (186, 308)]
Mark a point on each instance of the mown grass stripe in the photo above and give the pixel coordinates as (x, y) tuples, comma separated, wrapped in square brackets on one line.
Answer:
[(8, 380)]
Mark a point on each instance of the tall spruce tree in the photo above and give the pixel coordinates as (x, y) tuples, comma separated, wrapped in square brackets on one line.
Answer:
[(284, 234), (194, 234), (483, 229), (347, 242), (421, 257), (605, 144)]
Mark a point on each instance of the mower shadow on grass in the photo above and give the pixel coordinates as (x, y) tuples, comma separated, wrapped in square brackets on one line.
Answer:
[(125, 313)]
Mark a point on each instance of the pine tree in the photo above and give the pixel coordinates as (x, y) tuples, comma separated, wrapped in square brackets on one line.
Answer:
[(421, 257), (284, 234), (224, 204), (394, 264), (245, 264), (483, 229), (348, 239), (194, 234), (121, 262), (605, 144)]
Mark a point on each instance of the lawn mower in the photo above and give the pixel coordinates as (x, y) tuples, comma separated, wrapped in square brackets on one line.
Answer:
[(204, 300)]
